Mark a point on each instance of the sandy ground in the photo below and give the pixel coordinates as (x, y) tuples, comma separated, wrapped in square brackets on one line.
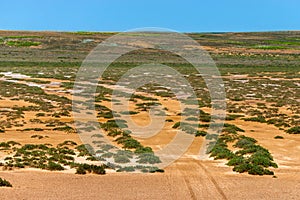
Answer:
[(185, 179)]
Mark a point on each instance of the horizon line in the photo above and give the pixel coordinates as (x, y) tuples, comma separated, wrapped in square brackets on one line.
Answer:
[(190, 32)]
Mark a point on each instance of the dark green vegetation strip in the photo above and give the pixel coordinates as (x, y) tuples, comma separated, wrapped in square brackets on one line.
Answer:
[(249, 156), (44, 156)]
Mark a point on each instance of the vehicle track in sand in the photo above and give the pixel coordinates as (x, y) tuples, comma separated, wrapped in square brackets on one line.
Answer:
[(199, 181)]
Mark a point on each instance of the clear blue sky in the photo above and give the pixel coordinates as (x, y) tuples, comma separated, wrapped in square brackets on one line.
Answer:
[(121, 15)]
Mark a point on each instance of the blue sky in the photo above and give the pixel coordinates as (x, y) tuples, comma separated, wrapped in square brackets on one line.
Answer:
[(122, 15)]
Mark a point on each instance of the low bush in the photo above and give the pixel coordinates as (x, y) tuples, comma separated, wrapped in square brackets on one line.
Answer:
[(33, 129), (169, 120), (67, 129), (5, 183), (231, 128), (220, 152), (245, 142), (192, 119), (84, 168), (278, 137), (200, 133), (176, 125), (80, 170), (5, 145), (67, 143), (121, 159), (233, 117), (37, 136), (54, 167), (149, 158), (129, 112), (83, 150), (126, 169), (259, 118), (294, 130), (143, 150)]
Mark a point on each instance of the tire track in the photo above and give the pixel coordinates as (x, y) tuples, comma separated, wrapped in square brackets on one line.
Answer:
[(189, 186), (211, 178), (196, 176)]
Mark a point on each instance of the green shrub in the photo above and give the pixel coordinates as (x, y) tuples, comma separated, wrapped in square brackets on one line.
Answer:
[(91, 158), (67, 143), (114, 132), (126, 169), (121, 159), (294, 130), (233, 117), (107, 155), (33, 129), (236, 160), (98, 169), (200, 133), (262, 160), (80, 170), (83, 150), (97, 136), (131, 144), (84, 168), (4, 183), (256, 170), (205, 118), (4, 144), (67, 129), (148, 158), (13, 143), (37, 136), (19, 165), (143, 150), (129, 112), (259, 118), (192, 119), (160, 170), (231, 128), (241, 168), (169, 120), (52, 166), (252, 149), (40, 115), (245, 142), (176, 125), (278, 137), (219, 152)]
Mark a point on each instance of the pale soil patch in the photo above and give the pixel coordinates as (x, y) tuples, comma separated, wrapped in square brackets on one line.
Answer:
[(7, 103), (55, 137), (249, 51)]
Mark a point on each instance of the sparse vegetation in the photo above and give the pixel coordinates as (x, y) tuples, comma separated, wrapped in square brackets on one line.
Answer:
[(19, 43), (260, 87)]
